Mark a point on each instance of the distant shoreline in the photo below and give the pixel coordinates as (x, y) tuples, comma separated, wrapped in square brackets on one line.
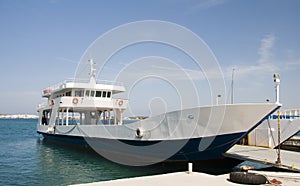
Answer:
[(18, 116), (32, 116)]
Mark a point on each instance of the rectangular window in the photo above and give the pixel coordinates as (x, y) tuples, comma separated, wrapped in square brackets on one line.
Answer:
[(104, 94), (92, 93), (78, 93), (68, 93), (87, 93), (98, 93), (108, 94)]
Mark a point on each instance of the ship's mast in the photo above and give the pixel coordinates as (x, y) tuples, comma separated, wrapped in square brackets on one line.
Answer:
[(232, 88), (92, 72)]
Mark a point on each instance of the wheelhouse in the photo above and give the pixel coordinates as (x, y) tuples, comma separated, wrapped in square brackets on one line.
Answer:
[(82, 102)]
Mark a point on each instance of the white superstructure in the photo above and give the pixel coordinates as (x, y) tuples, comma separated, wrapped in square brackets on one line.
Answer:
[(75, 101)]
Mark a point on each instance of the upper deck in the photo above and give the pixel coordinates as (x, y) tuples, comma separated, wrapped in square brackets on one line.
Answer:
[(90, 98), (114, 87)]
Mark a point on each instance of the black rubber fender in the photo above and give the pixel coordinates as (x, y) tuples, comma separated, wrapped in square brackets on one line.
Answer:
[(247, 178)]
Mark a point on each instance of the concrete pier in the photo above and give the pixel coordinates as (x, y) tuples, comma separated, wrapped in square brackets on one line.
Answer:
[(289, 160), (193, 179)]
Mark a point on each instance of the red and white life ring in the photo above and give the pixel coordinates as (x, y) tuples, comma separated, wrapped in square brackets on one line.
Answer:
[(75, 101), (120, 103)]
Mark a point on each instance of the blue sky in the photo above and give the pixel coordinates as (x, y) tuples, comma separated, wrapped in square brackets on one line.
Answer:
[(43, 41)]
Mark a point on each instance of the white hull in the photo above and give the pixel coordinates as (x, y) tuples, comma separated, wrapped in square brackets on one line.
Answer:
[(193, 134), (188, 123)]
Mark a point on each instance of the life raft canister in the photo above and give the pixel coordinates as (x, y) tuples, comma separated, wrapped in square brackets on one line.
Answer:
[(75, 101), (47, 90)]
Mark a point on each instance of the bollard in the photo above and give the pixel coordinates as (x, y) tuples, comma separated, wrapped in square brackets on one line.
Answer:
[(190, 165)]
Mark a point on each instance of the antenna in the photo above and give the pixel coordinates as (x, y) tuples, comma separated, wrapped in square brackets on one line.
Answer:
[(232, 88), (92, 72)]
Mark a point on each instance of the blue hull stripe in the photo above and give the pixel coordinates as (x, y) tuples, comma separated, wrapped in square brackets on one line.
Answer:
[(189, 152)]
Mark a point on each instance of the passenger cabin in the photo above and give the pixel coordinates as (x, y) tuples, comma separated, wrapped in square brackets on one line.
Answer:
[(82, 102)]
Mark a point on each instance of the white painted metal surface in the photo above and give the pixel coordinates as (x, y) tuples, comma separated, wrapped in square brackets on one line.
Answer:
[(226, 119)]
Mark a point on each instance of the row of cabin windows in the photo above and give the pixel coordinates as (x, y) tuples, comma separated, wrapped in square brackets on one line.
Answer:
[(88, 93), (103, 94), (64, 94)]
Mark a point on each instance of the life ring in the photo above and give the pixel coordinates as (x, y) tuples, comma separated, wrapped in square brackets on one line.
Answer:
[(247, 178), (75, 101), (139, 132), (120, 103)]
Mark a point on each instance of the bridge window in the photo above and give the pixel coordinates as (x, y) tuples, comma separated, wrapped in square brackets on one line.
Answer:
[(68, 93), (98, 93), (108, 94), (92, 93), (78, 93), (104, 94), (87, 93)]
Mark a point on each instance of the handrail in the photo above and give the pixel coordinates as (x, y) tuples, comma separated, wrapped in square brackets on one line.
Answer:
[(287, 114), (294, 112), (41, 105), (67, 101)]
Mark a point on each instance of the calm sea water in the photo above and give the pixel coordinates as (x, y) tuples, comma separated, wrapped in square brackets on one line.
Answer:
[(25, 159)]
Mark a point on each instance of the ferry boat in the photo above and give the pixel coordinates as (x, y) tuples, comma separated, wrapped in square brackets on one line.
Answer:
[(266, 134), (88, 113)]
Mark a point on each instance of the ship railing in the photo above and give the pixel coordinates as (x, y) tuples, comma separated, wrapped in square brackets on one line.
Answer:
[(90, 102), (61, 84), (42, 105), (287, 114)]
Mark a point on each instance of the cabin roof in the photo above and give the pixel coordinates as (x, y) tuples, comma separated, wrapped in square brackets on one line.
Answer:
[(114, 87)]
